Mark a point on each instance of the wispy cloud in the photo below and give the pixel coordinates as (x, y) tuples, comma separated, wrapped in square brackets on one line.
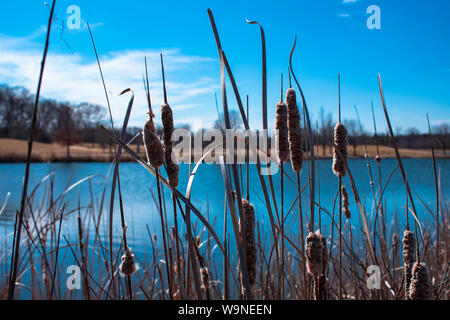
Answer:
[(74, 78), (349, 1), (343, 15)]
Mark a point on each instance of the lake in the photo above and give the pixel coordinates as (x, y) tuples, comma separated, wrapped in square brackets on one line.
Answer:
[(208, 191)]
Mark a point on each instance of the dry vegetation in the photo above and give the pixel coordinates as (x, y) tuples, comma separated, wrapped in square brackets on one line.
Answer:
[(318, 262)]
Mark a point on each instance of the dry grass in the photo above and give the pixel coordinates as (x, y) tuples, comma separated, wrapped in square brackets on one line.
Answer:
[(14, 150)]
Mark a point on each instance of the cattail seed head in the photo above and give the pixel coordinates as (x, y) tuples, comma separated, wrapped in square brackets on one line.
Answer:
[(171, 166), (172, 172), (281, 125), (247, 229), (378, 159), (340, 150), (314, 254), (205, 279), (421, 287), (295, 134), (167, 122), (409, 247), (345, 202), (127, 267), (153, 146)]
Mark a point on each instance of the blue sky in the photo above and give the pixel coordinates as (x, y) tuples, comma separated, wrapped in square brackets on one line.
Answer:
[(411, 51)]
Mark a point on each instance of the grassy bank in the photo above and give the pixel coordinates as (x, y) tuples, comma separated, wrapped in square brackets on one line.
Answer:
[(14, 150)]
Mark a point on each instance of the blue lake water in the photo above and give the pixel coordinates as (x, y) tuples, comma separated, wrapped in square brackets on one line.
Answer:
[(137, 186), (208, 191)]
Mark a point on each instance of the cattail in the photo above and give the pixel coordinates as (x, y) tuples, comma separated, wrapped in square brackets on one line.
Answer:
[(281, 125), (314, 254), (409, 246), (127, 267), (421, 287), (172, 168), (153, 146), (167, 122), (295, 131), (340, 150), (205, 279), (345, 202), (247, 229), (378, 159)]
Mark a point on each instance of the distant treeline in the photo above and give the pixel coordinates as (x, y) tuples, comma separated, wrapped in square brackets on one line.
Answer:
[(68, 124)]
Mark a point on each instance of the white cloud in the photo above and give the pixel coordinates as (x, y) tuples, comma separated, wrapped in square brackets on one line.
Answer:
[(349, 1), (71, 77), (343, 15)]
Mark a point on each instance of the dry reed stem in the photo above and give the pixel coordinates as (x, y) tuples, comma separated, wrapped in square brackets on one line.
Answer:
[(340, 141), (295, 131)]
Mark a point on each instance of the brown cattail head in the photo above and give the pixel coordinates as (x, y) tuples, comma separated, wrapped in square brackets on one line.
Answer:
[(127, 267), (395, 242), (295, 131), (153, 146), (340, 150), (204, 273), (172, 172), (345, 202), (421, 288), (247, 229), (378, 159), (314, 254), (167, 122), (409, 247), (281, 126)]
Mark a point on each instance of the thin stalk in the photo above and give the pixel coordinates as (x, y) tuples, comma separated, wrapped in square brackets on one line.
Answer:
[(18, 231)]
